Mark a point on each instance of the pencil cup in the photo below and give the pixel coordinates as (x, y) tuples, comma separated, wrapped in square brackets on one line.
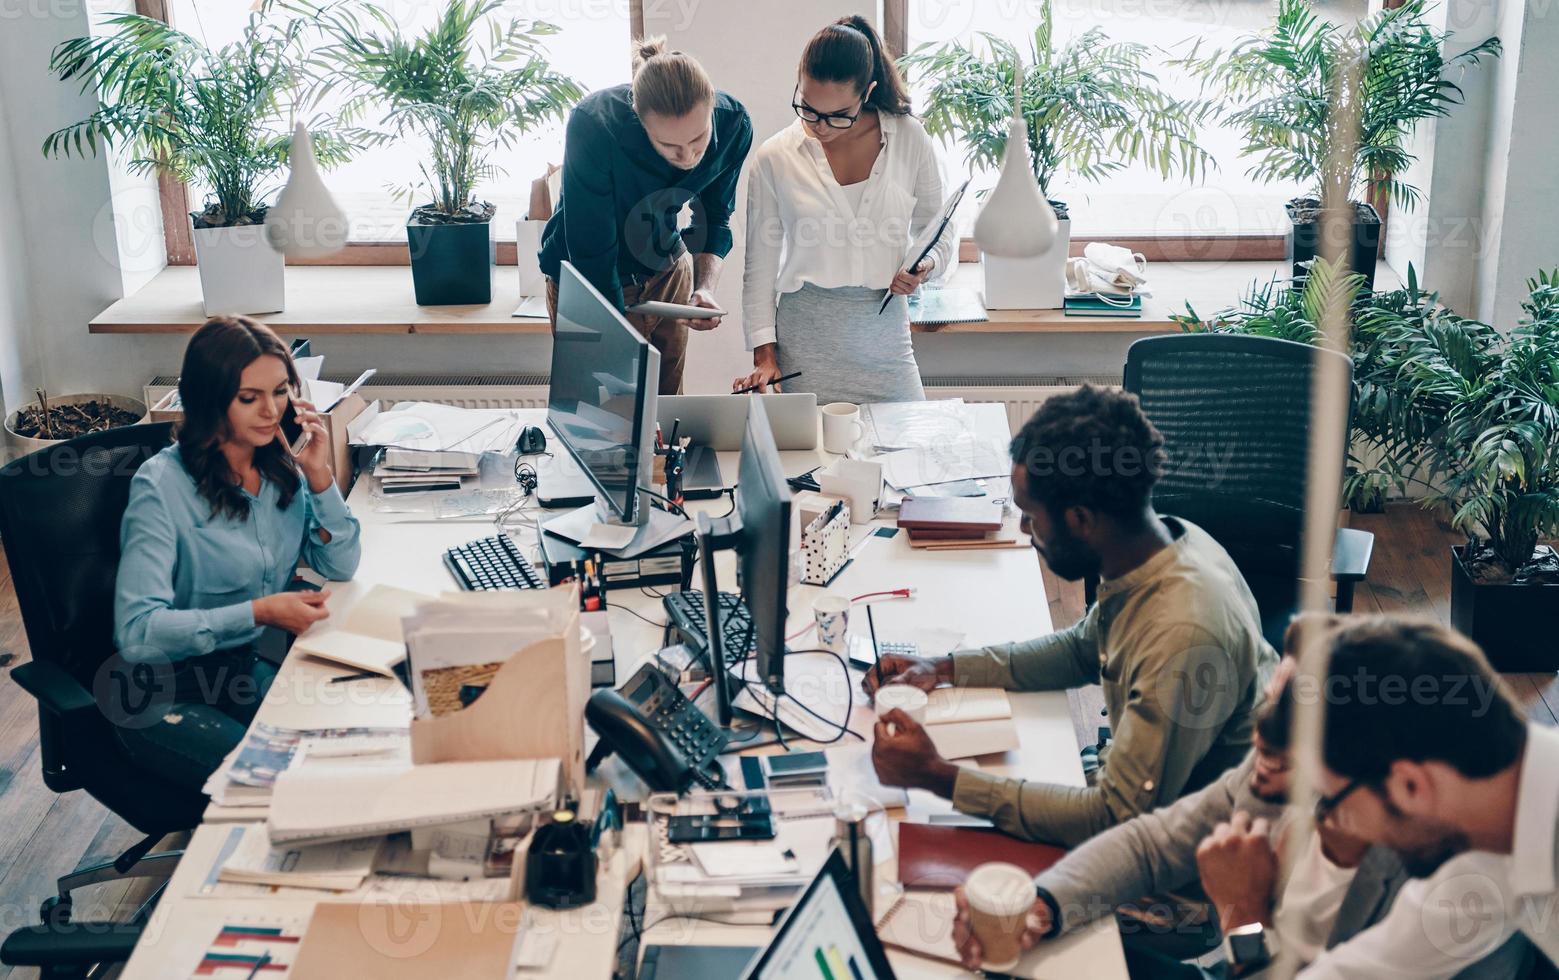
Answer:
[(833, 623)]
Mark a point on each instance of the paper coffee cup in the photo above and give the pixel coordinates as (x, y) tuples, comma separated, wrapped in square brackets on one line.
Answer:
[(833, 622), (1000, 896), (911, 700)]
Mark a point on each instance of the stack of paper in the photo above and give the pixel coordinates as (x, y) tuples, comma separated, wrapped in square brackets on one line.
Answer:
[(339, 867), (248, 776), (414, 470), (461, 641), (323, 803), (432, 427)]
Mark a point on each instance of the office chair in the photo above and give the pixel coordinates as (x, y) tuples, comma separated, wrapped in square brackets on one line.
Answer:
[(60, 510), (1235, 415)]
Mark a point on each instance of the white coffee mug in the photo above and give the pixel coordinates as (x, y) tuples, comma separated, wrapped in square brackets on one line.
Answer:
[(911, 700), (842, 427)]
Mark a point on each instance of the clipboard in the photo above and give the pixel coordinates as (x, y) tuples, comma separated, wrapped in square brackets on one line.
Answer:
[(949, 208)]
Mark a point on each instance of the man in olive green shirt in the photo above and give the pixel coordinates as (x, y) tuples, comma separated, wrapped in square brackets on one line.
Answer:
[(1174, 638)]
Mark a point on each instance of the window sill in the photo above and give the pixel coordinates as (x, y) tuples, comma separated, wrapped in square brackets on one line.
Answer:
[(379, 300)]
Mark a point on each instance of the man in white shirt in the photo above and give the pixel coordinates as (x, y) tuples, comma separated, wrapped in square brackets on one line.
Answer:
[(1426, 753)]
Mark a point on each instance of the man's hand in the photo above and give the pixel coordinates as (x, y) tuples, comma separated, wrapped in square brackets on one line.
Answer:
[(1035, 928), (904, 755), (1239, 869), (706, 299), (291, 611), (922, 672)]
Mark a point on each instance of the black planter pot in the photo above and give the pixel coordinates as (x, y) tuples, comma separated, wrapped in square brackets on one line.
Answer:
[(1516, 625), (1303, 243), (452, 265)]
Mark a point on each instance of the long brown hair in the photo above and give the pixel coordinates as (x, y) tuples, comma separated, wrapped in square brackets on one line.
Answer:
[(214, 362), (850, 50), (668, 83)]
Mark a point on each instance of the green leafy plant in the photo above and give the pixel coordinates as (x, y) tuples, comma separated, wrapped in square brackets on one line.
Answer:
[(220, 119), (1091, 106), (1499, 454), (464, 94), (1281, 88)]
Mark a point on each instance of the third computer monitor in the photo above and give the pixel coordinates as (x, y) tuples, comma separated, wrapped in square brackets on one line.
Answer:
[(602, 400), (763, 554)]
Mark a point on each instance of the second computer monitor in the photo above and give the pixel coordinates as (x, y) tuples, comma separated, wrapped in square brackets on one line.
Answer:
[(601, 403), (763, 555)]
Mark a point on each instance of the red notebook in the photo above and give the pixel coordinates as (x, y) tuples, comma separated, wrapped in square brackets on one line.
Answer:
[(969, 516), (937, 857)]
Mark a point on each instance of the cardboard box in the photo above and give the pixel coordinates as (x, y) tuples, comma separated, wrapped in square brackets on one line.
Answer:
[(168, 409)]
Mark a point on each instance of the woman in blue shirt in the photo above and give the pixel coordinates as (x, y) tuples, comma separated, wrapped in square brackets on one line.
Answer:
[(215, 527)]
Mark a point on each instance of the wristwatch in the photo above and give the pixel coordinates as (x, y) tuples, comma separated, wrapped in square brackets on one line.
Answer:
[(1249, 947)]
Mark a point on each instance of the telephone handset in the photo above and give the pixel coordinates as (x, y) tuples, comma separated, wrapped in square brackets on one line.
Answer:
[(658, 732)]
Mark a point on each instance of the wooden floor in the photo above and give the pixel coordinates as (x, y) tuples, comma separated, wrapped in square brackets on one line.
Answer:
[(43, 835)]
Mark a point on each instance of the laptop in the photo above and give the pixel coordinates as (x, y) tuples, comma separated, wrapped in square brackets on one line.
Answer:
[(827, 933), (719, 421)]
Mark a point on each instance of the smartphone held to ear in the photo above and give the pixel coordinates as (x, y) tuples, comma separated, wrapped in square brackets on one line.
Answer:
[(294, 436)]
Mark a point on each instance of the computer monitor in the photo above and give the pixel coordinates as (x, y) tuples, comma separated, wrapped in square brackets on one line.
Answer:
[(827, 934), (601, 404), (763, 548)]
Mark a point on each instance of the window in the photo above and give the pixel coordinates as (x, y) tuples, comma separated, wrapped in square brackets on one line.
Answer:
[(1135, 201), (591, 46)]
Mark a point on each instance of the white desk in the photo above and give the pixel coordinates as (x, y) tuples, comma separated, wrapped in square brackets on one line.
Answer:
[(987, 595)]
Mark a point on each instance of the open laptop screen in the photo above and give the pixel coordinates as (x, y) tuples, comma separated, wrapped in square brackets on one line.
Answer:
[(826, 935)]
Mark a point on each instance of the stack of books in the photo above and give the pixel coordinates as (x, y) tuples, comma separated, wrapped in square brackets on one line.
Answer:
[(1090, 304), (948, 523)]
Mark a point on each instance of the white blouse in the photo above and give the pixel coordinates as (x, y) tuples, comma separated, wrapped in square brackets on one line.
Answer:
[(802, 227)]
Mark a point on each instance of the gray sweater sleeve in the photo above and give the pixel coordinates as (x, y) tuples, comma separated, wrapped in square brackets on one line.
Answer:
[(1149, 854)]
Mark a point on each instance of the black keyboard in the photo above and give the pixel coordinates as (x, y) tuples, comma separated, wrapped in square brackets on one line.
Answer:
[(686, 611), (491, 563)]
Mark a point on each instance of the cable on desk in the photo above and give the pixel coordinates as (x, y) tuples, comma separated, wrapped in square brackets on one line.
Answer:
[(671, 505), (849, 706), (644, 619)]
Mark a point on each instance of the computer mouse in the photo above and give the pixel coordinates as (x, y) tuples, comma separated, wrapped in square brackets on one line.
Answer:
[(532, 441)]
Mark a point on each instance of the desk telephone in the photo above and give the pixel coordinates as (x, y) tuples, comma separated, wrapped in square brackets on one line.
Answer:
[(658, 732)]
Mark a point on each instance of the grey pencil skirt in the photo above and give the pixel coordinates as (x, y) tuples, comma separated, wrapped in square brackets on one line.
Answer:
[(845, 351)]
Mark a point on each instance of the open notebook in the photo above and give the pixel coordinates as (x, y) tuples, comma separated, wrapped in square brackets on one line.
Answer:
[(970, 721), (369, 636)]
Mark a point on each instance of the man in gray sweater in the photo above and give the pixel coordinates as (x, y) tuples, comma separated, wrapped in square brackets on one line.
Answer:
[(1339, 888)]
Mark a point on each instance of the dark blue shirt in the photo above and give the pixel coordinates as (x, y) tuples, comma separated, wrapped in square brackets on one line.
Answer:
[(617, 216)]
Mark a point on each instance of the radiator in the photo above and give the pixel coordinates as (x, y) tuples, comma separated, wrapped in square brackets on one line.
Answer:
[(1021, 396)]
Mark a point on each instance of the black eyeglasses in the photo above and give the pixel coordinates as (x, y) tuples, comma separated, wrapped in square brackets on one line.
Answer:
[(1325, 806), (833, 120)]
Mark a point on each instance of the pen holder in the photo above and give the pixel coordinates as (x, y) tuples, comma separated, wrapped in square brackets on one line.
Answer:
[(825, 544)]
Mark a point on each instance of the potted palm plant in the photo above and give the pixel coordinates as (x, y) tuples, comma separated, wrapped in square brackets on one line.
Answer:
[(1280, 88), (1091, 109), (217, 119), (465, 97), (1498, 465)]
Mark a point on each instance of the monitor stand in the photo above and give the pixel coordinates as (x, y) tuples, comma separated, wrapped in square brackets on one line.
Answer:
[(586, 528)]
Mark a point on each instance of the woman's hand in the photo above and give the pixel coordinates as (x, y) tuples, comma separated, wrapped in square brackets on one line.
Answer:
[(291, 611), (765, 364), (907, 282), (314, 460)]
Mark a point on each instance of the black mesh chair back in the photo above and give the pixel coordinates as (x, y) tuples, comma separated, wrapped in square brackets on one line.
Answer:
[(60, 511), (1235, 415)]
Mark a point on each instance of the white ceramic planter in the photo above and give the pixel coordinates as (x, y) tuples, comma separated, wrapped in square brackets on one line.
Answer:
[(239, 271), (18, 445), (1037, 283)]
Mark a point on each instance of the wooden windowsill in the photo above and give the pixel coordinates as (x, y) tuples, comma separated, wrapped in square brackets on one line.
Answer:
[(378, 299)]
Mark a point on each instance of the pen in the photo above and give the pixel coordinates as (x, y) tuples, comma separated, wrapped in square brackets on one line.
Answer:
[(876, 657), (360, 676), (752, 388)]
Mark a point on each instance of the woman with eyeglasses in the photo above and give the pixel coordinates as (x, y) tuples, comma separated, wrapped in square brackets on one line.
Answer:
[(833, 203)]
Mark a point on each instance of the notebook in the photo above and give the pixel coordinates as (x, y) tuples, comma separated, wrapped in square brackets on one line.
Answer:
[(324, 802), (950, 518), (369, 637), (946, 304), (940, 858)]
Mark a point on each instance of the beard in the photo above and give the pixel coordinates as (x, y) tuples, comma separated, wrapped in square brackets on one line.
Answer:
[(1425, 859), (1068, 557)]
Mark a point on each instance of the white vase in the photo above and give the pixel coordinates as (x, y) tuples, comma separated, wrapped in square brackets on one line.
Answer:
[(239, 271), (305, 222), (1035, 283)]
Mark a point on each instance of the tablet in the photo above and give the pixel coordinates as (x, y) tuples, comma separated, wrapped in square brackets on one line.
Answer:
[(675, 310)]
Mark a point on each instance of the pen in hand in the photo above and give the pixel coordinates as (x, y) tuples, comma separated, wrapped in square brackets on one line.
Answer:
[(752, 388)]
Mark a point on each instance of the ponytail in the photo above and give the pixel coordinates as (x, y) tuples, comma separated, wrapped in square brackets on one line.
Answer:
[(850, 50), (669, 84)]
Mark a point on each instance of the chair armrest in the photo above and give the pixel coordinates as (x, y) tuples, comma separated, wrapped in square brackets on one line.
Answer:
[(74, 943), (1351, 554), (55, 690)]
